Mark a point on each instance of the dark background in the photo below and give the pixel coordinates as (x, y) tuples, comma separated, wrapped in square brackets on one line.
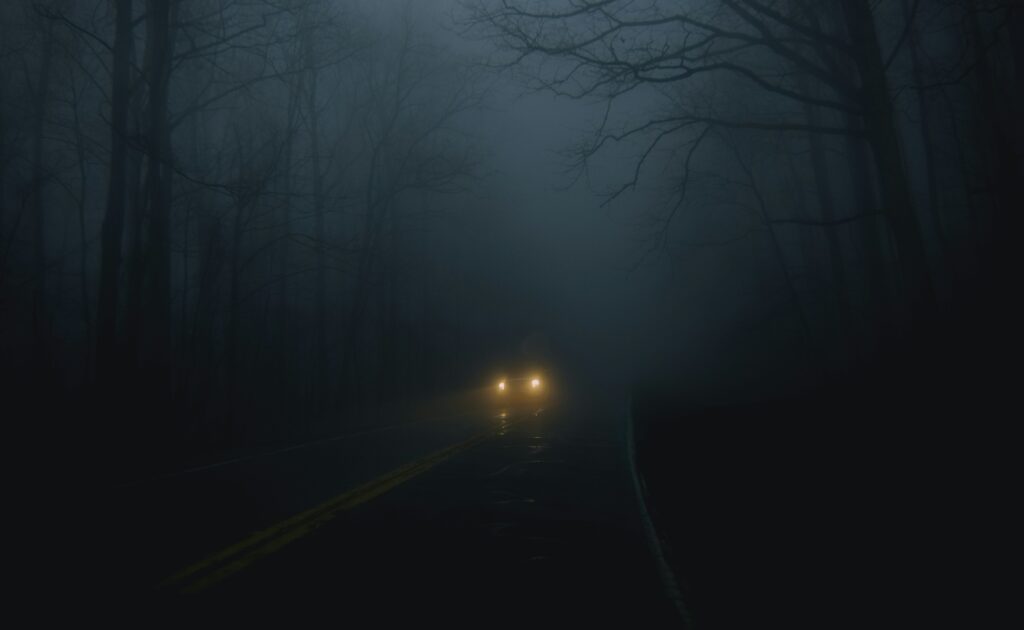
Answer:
[(786, 227)]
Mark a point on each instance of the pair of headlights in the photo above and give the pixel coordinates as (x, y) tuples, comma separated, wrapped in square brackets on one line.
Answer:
[(534, 384)]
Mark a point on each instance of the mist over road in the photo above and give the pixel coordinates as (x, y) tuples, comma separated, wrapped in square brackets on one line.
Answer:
[(532, 516), (265, 264)]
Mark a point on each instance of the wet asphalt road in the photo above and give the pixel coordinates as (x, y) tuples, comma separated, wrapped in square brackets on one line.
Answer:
[(536, 522)]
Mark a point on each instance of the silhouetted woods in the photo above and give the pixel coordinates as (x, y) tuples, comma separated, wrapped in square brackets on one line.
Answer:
[(216, 216), (864, 154), (217, 219)]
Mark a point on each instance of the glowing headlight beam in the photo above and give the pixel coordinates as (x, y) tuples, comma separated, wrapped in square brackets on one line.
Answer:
[(535, 383), (501, 386)]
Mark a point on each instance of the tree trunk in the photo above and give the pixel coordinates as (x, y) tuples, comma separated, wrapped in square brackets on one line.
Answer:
[(211, 261), (40, 310), (927, 145), (779, 255), (1017, 43), (113, 220), (233, 430), (826, 207), (880, 124), (3, 192), (319, 234), (135, 266), (1017, 93), (156, 357), (283, 336), (376, 209), (1003, 159), (874, 239), (83, 237)]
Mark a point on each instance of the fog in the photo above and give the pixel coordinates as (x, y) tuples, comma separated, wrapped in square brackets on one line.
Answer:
[(229, 225)]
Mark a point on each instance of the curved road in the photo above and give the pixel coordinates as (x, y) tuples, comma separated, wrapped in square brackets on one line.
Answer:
[(482, 519)]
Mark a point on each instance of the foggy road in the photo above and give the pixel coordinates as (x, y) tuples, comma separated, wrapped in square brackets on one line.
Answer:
[(494, 513), (262, 264)]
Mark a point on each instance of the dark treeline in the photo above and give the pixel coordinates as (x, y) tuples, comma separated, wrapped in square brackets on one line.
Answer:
[(224, 221), (855, 161), (216, 217)]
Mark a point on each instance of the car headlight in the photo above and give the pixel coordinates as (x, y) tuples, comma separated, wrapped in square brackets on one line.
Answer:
[(501, 386), (535, 383)]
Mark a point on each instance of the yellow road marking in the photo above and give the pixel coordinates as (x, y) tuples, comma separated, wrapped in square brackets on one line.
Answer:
[(233, 559)]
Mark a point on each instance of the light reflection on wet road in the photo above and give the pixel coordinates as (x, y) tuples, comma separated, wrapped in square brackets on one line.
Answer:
[(538, 523)]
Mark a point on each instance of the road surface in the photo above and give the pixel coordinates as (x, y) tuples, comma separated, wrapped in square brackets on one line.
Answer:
[(481, 518)]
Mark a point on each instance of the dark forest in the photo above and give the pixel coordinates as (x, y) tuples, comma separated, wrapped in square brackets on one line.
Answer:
[(648, 312)]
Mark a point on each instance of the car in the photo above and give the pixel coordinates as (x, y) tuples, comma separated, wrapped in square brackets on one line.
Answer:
[(529, 389), (523, 385)]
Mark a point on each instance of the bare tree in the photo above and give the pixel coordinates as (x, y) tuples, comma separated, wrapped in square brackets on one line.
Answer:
[(610, 48), (113, 221), (40, 89), (413, 96)]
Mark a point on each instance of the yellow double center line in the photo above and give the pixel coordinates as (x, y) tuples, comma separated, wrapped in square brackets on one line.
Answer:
[(237, 557)]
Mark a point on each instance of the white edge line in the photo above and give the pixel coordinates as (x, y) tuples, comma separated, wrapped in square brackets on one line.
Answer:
[(668, 578)]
